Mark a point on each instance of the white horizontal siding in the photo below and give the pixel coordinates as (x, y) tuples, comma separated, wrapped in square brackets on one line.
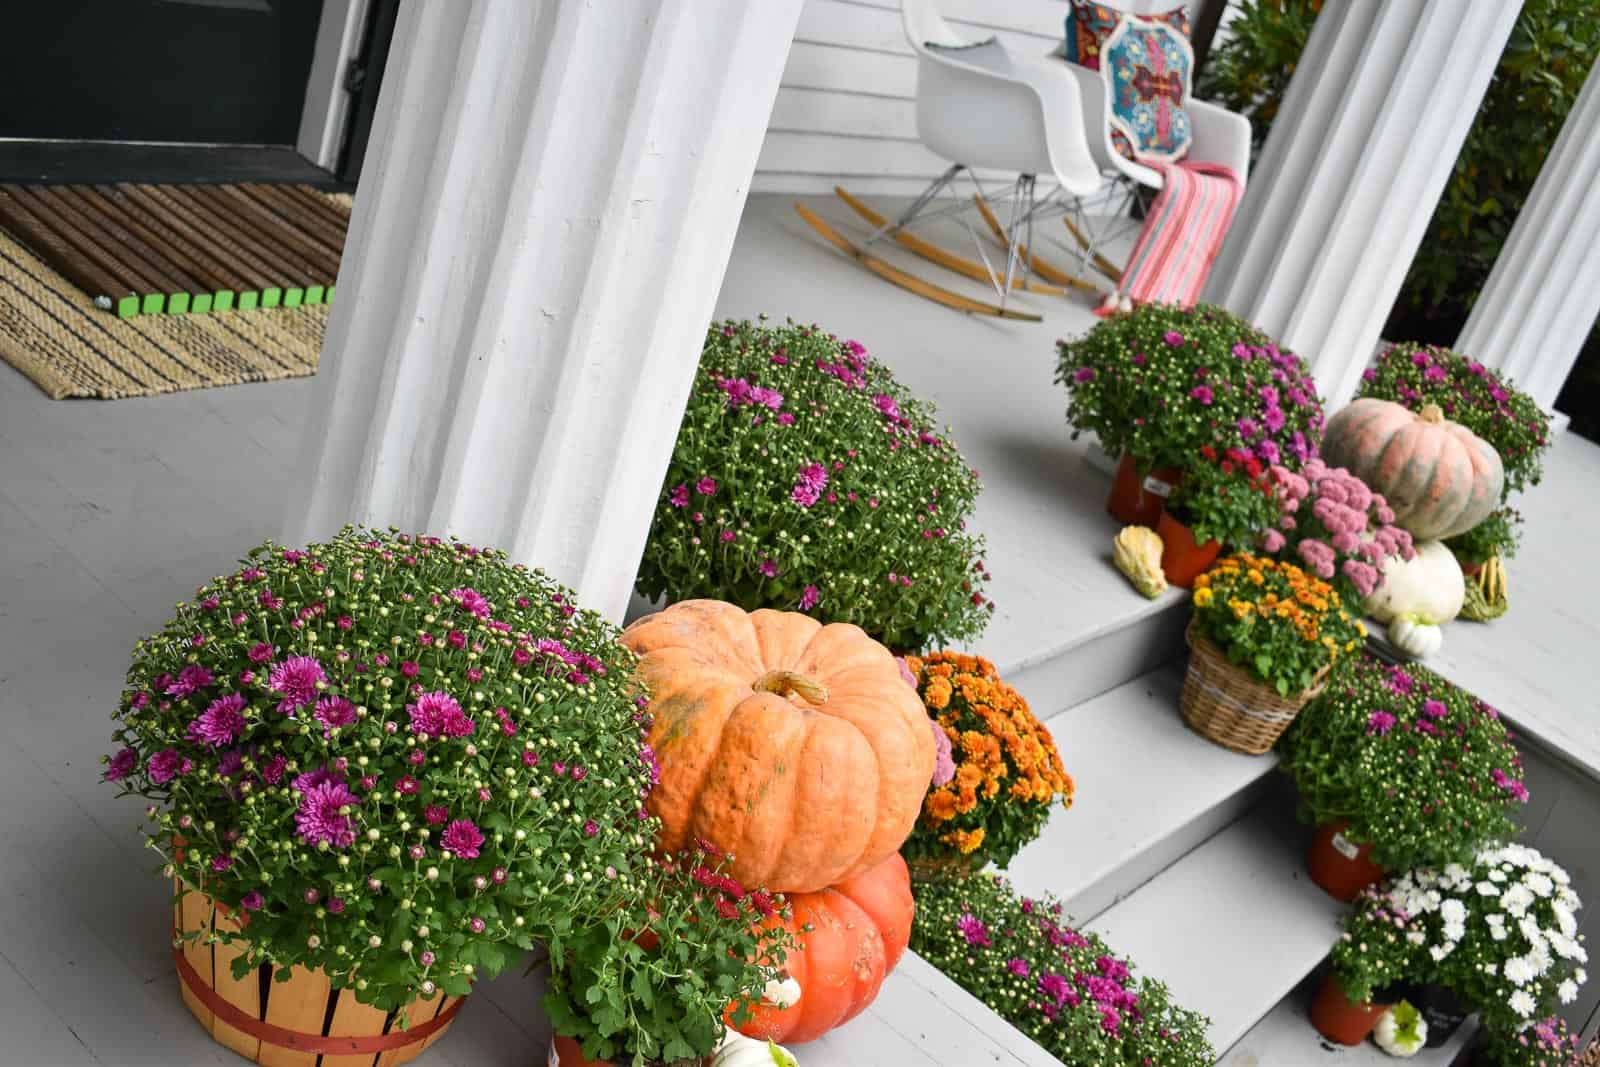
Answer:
[(846, 112)]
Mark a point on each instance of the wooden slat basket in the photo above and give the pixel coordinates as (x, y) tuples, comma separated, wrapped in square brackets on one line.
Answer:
[(303, 1022)]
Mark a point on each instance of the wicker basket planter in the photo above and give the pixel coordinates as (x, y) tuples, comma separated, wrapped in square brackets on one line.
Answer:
[(303, 1022), (1225, 704)]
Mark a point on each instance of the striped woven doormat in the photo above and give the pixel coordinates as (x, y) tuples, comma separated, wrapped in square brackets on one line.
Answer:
[(147, 249)]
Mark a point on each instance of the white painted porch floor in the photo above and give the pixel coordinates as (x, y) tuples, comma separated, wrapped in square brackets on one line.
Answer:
[(109, 512)]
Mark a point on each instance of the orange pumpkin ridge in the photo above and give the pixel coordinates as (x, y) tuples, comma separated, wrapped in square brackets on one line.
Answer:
[(794, 746)]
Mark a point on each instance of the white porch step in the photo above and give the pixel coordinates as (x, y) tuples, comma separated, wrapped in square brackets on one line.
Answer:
[(1233, 926), (1286, 1037), (1149, 790)]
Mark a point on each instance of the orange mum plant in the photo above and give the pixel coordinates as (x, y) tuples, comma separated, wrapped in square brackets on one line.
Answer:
[(1006, 772)]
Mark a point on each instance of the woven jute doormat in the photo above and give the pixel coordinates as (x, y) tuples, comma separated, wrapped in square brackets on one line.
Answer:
[(52, 332)]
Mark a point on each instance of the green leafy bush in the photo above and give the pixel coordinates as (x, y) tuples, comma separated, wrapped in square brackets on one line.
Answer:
[(805, 478), (1250, 71), (1498, 535), (1060, 986)]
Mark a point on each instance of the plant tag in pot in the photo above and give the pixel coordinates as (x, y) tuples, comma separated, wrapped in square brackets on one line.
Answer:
[(1156, 487), (1345, 848)]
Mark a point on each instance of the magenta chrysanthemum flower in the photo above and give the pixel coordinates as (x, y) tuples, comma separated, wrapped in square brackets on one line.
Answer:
[(1083, 374), (191, 678), (706, 486), (296, 680), (436, 814), (472, 602), (463, 838), (272, 772), (1173, 338), (323, 775), (252, 901), (438, 715), (121, 765), (1202, 393), (809, 596), (1434, 709), (973, 929), (221, 723), (768, 568), (1380, 723), (810, 483), (335, 711), (1055, 987), (679, 497), (164, 766), (1017, 966), (261, 652), (323, 817)]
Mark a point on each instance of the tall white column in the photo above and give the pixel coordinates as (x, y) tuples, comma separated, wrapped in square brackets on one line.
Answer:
[(1542, 298), (538, 241), (1367, 135)]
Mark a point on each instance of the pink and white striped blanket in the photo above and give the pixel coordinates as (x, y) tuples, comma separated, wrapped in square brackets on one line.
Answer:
[(1182, 234)]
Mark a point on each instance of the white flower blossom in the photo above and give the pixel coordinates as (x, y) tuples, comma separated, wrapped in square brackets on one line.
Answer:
[(1517, 900), (1488, 889), (1567, 991), (1519, 971), (1439, 952), (1453, 911), (1539, 883)]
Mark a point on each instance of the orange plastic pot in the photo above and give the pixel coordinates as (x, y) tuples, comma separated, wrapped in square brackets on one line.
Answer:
[(1182, 560), (1340, 866), (1340, 1019), (1138, 499)]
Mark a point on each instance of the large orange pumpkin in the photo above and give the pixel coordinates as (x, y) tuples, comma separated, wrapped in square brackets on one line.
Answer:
[(1440, 479), (793, 746), (859, 931)]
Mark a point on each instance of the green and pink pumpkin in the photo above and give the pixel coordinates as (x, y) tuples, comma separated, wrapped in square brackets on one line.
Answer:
[(1439, 478)]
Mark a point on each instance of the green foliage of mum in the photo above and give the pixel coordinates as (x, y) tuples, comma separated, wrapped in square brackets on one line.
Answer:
[(1421, 769), (404, 760), (1160, 383), (805, 478), (1062, 987)]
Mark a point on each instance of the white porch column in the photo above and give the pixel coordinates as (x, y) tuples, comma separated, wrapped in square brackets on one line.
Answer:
[(1368, 133), (538, 242), (1542, 298)]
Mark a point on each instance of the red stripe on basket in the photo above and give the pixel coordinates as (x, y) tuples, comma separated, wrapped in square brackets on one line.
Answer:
[(294, 1039)]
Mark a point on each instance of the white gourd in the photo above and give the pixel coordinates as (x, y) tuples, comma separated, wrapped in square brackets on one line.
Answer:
[(1401, 1032), (1419, 640), (736, 1050), (1428, 588)]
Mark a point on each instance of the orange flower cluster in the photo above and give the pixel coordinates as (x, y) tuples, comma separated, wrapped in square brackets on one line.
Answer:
[(1276, 591), (1003, 757)]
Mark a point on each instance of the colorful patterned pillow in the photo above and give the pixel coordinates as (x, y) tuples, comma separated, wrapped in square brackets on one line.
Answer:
[(1146, 70), (1089, 24)]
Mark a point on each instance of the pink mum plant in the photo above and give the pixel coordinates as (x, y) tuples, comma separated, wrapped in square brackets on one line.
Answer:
[(1336, 526)]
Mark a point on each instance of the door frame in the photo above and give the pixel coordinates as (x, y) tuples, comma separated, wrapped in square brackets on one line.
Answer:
[(325, 118)]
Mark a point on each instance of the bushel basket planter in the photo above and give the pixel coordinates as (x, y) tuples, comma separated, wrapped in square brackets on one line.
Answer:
[(1222, 702), (302, 1022)]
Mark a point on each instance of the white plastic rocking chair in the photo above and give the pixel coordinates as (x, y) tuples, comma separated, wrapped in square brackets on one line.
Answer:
[(981, 106)]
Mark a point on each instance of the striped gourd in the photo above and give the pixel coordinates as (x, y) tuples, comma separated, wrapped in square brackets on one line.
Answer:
[(1441, 479)]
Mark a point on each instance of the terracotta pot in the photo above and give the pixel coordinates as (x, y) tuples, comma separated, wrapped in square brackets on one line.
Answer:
[(1182, 561), (294, 1022), (1337, 1018), (1138, 499), (1340, 866), (565, 1052)]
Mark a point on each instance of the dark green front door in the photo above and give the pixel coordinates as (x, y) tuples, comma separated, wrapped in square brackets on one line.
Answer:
[(189, 71)]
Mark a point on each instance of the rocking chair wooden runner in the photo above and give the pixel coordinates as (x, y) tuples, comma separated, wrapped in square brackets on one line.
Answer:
[(981, 106)]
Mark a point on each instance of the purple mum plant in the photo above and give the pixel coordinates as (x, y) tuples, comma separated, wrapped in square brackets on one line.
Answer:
[(805, 478), (406, 760)]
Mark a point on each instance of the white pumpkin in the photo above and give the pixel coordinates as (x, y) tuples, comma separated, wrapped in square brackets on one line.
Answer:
[(1428, 588), (1401, 1032), (736, 1050), (1419, 640)]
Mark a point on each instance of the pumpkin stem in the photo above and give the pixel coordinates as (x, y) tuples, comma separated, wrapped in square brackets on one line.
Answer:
[(784, 683), (1431, 413)]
